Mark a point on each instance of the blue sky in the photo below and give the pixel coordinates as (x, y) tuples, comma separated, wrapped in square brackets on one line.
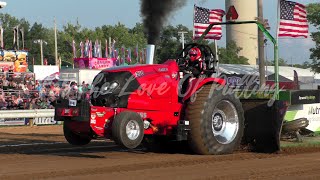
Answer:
[(95, 13)]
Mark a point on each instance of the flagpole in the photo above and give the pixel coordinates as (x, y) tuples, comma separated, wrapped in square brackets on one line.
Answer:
[(193, 21), (276, 53), (217, 56), (278, 19)]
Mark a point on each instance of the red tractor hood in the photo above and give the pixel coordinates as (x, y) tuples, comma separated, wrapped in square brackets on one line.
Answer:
[(145, 69)]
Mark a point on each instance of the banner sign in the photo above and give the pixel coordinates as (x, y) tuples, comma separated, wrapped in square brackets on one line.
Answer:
[(15, 60), (241, 81), (25, 121), (305, 97), (44, 121), (13, 122), (6, 66), (309, 111), (94, 63)]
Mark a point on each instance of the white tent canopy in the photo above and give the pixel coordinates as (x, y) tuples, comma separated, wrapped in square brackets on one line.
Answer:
[(304, 75)]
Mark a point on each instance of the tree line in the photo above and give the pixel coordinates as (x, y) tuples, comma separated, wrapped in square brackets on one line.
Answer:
[(314, 18), (167, 47)]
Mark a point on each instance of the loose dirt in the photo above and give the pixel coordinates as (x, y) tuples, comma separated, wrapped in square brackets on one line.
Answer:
[(42, 153)]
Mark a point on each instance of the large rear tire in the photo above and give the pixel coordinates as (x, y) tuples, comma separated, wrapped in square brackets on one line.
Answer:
[(216, 122), (73, 138), (128, 129)]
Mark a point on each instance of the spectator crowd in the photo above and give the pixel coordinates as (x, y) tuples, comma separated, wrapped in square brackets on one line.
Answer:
[(22, 91)]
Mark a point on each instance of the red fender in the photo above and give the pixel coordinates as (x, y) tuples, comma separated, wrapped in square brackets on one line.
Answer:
[(196, 84)]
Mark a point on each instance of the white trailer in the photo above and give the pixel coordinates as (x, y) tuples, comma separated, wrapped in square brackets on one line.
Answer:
[(43, 71), (78, 75)]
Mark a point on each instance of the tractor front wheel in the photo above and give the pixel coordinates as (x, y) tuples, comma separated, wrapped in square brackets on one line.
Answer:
[(216, 122), (128, 129)]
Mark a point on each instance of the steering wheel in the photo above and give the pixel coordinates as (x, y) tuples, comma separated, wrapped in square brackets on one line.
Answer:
[(207, 56), (182, 59)]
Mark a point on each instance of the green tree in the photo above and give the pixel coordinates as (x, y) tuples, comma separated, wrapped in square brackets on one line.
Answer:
[(304, 65), (169, 46), (230, 54), (37, 31), (314, 18), (281, 62)]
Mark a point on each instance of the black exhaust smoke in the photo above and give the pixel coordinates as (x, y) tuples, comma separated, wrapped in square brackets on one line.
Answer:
[(155, 13)]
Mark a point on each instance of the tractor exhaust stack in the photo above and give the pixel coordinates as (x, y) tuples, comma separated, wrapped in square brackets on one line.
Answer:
[(150, 53)]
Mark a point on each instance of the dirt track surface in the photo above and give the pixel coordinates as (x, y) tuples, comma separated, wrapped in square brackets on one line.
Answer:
[(42, 153)]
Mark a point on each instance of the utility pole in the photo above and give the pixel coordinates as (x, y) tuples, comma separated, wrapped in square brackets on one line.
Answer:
[(182, 37), (261, 46), (56, 43)]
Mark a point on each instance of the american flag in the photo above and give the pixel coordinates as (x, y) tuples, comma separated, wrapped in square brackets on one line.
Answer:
[(203, 17), (106, 50), (293, 20), (113, 45), (128, 55), (81, 49), (136, 52), (90, 49), (86, 48)]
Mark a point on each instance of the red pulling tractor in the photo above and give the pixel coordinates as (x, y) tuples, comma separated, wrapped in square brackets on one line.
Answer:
[(179, 100)]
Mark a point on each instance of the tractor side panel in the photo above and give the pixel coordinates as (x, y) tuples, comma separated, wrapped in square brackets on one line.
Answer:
[(101, 119), (162, 122), (263, 124), (154, 93)]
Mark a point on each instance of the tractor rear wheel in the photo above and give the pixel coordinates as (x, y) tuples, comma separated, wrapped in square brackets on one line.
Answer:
[(73, 138), (216, 122), (128, 129)]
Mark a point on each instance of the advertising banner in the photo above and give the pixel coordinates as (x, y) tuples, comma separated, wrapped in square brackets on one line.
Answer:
[(15, 60), (309, 111), (13, 122), (6, 66), (44, 121), (241, 81), (94, 63), (305, 97)]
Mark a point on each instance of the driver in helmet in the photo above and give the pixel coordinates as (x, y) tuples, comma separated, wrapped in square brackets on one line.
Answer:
[(195, 61)]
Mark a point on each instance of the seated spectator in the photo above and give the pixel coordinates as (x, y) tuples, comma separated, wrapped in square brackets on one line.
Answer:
[(3, 104)]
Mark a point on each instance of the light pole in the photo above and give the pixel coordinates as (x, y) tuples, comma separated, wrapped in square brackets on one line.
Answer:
[(182, 37), (40, 41)]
